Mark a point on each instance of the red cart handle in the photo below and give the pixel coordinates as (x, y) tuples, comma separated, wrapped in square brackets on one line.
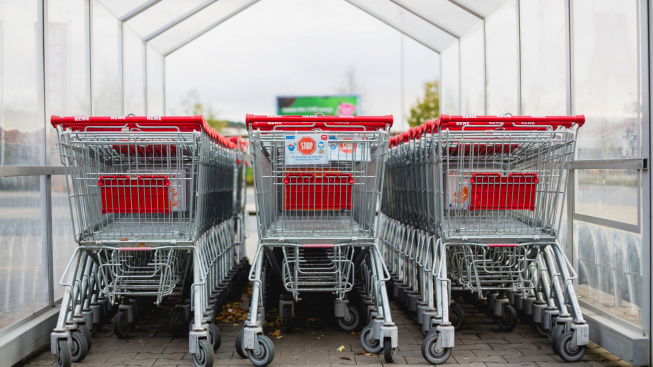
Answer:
[(165, 178), (266, 123), (505, 122), (299, 174), (336, 175), (151, 123)]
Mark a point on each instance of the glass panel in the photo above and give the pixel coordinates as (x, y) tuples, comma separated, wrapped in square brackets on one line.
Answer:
[(155, 87), (134, 73), (483, 8), (607, 78), (472, 73), (68, 68), (239, 83), (107, 65), (502, 74), (196, 25), (21, 127), (120, 8), (543, 66), (608, 193), (450, 79), (443, 13), (23, 280), (394, 15), (63, 240), (610, 270), (161, 14)]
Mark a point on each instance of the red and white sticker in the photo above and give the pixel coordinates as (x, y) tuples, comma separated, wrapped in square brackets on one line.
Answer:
[(305, 149)]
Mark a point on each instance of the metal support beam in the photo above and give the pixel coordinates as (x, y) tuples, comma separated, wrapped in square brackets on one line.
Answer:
[(138, 10), (178, 20), (422, 42), (14, 171), (211, 26), (465, 8), (421, 16)]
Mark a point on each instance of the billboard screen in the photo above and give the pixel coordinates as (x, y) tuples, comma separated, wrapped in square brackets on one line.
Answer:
[(310, 105)]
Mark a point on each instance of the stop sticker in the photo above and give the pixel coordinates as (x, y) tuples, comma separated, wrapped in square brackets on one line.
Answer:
[(347, 148), (306, 145)]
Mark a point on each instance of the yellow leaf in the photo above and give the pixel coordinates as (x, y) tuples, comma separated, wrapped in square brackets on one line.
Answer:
[(342, 347), (276, 333)]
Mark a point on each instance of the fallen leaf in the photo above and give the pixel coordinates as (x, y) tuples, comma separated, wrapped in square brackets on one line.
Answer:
[(235, 325), (342, 347), (347, 358), (280, 336), (276, 333)]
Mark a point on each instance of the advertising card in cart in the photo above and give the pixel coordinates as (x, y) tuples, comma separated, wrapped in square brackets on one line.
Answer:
[(358, 150), (306, 149)]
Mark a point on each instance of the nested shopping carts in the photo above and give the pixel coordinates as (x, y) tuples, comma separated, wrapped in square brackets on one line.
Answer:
[(317, 181), (472, 205), (156, 206)]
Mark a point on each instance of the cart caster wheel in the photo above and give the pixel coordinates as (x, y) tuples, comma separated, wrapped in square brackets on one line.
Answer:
[(63, 357), (265, 353), (508, 320), (368, 342), (287, 319), (538, 327), (432, 353), (389, 353), (86, 333), (554, 336), (351, 323), (239, 344), (178, 324), (122, 327), (204, 356), (456, 317), (569, 351), (214, 336), (79, 347)]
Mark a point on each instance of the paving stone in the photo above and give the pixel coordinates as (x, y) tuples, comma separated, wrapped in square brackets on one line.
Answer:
[(479, 344), (461, 359)]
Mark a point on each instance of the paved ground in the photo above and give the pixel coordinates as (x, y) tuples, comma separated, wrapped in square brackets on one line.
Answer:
[(316, 341)]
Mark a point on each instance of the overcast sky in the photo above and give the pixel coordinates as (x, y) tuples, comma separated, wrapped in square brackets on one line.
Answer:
[(298, 47)]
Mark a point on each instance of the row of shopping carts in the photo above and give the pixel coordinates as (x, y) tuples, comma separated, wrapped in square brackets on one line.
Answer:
[(472, 207), (157, 212), (317, 182)]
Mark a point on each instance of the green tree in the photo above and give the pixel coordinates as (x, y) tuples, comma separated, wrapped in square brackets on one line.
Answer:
[(428, 108), (193, 106)]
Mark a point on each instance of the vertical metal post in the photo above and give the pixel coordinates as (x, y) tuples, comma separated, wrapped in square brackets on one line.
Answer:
[(145, 77), (572, 251), (45, 181), (122, 68), (401, 74), (460, 79), (646, 30), (48, 236), (89, 55), (2, 98), (484, 67), (163, 76), (519, 101)]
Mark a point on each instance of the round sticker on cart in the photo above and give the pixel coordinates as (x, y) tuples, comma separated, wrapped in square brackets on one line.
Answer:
[(347, 148), (306, 145)]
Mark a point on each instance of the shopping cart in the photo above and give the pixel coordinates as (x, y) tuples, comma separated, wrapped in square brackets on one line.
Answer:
[(317, 182), (154, 213), (473, 204)]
